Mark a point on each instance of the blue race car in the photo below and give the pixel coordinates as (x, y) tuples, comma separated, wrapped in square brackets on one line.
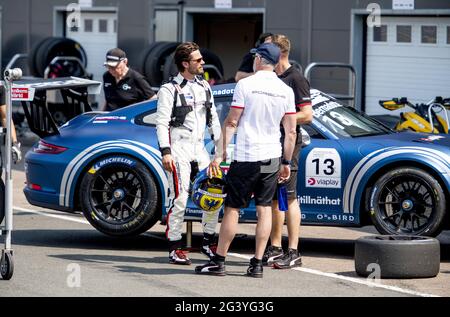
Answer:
[(354, 171)]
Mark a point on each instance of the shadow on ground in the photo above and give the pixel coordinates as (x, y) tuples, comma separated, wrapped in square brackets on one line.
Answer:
[(93, 240)]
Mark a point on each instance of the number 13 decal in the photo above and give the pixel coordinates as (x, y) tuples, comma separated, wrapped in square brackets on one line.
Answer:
[(329, 167), (323, 168)]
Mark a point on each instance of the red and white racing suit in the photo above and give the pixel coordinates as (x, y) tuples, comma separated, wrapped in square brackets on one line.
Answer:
[(186, 144)]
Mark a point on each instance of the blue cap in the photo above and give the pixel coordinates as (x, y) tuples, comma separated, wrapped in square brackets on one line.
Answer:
[(269, 51)]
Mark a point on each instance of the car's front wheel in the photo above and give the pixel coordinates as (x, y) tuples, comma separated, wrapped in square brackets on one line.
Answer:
[(119, 197), (407, 201)]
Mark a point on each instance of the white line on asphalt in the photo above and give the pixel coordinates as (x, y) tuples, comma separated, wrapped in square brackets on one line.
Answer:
[(348, 279), (73, 219), (246, 257)]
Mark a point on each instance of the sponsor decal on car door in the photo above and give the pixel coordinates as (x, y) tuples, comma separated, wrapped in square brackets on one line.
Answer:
[(323, 168)]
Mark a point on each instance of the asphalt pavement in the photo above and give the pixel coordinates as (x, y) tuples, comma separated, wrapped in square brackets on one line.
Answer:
[(59, 254)]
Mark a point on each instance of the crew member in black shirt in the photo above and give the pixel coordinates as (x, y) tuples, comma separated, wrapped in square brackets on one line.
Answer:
[(122, 85), (292, 77), (246, 67)]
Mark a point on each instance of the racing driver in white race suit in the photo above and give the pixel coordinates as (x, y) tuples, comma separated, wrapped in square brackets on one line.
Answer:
[(185, 108)]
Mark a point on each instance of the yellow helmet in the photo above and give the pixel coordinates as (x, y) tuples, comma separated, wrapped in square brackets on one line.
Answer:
[(209, 193)]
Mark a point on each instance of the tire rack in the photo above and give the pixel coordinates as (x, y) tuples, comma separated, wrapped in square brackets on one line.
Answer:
[(7, 259)]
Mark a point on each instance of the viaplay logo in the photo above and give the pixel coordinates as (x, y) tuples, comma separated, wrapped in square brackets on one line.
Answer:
[(323, 182)]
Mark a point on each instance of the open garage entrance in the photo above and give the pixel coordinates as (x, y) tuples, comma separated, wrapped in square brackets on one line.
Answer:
[(229, 35)]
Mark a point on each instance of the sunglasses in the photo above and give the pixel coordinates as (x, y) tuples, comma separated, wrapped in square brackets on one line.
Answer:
[(199, 60)]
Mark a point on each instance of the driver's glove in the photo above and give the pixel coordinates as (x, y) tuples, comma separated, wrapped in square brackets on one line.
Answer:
[(16, 153)]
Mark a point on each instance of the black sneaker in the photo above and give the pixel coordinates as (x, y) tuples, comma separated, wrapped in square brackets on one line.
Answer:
[(255, 268), (271, 254), (289, 260), (209, 250), (211, 268)]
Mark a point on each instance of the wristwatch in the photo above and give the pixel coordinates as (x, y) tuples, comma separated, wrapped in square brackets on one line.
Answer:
[(285, 162)]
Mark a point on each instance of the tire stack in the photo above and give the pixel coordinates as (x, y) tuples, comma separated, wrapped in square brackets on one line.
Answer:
[(45, 51), (397, 257), (157, 63)]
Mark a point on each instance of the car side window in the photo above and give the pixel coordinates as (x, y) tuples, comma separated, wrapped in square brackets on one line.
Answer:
[(147, 118), (313, 133), (223, 108)]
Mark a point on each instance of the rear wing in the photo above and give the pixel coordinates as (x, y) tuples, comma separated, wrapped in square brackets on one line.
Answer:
[(33, 95)]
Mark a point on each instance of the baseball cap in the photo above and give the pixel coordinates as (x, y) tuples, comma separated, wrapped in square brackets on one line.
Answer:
[(114, 57), (269, 51)]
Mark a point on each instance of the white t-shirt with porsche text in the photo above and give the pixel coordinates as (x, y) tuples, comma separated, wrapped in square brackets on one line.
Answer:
[(265, 100)]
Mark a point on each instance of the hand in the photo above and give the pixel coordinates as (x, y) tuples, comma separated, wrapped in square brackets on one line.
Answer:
[(285, 173), (168, 163), (214, 167), (16, 153)]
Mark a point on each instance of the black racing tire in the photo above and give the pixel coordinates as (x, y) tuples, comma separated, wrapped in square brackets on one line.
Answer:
[(397, 257), (407, 201), (49, 48), (170, 69), (32, 57), (155, 60), (2, 200), (143, 57), (212, 59), (119, 196)]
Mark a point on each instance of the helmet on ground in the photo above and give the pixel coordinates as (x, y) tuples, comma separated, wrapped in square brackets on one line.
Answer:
[(209, 193)]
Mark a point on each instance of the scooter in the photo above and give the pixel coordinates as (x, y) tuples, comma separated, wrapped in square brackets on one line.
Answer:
[(431, 117)]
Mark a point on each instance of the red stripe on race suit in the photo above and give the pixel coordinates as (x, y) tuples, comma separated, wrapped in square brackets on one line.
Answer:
[(177, 193)]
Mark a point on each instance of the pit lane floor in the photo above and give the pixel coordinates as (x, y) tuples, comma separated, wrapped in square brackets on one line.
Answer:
[(59, 254)]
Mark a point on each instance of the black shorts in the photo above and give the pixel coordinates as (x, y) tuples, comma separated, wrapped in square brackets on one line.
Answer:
[(291, 184), (247, 178)]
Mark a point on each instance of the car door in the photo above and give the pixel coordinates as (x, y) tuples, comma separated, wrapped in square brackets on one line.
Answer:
[(321, 180)]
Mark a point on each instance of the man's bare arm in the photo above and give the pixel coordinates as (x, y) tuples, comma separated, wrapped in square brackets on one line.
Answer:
[(305, 115)]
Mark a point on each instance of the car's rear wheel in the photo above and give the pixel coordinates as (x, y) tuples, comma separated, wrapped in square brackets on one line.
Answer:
[(407, 201), (119, 196)]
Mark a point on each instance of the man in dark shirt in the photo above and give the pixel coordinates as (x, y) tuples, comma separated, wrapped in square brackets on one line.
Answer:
[(246, 67), (294, 79), (122, 85)]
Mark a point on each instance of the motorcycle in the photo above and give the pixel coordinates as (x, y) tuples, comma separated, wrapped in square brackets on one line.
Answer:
[(431, 117)]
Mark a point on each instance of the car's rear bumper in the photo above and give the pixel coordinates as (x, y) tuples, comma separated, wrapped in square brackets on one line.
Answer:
[(44, 200)]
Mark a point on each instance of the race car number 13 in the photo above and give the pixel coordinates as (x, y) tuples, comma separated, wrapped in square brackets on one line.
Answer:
[(323, 168), (329, 166)]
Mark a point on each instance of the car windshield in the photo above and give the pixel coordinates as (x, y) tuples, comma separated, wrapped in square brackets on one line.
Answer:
[(344, 121), (223, 108)]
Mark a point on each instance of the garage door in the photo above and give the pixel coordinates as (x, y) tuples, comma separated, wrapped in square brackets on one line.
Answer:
[(97, 34), (407, 57)]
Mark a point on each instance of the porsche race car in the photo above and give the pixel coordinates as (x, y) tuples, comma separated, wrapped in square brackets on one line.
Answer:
[(353, 172)]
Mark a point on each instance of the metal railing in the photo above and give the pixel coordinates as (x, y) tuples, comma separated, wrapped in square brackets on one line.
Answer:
[(352, 97)]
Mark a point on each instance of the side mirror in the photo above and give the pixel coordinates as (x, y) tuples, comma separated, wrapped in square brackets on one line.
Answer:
[(393, 104)]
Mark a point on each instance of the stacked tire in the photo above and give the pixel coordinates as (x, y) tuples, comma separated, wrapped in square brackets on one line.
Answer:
[(157, 63), (397, 257), (45, 51)]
